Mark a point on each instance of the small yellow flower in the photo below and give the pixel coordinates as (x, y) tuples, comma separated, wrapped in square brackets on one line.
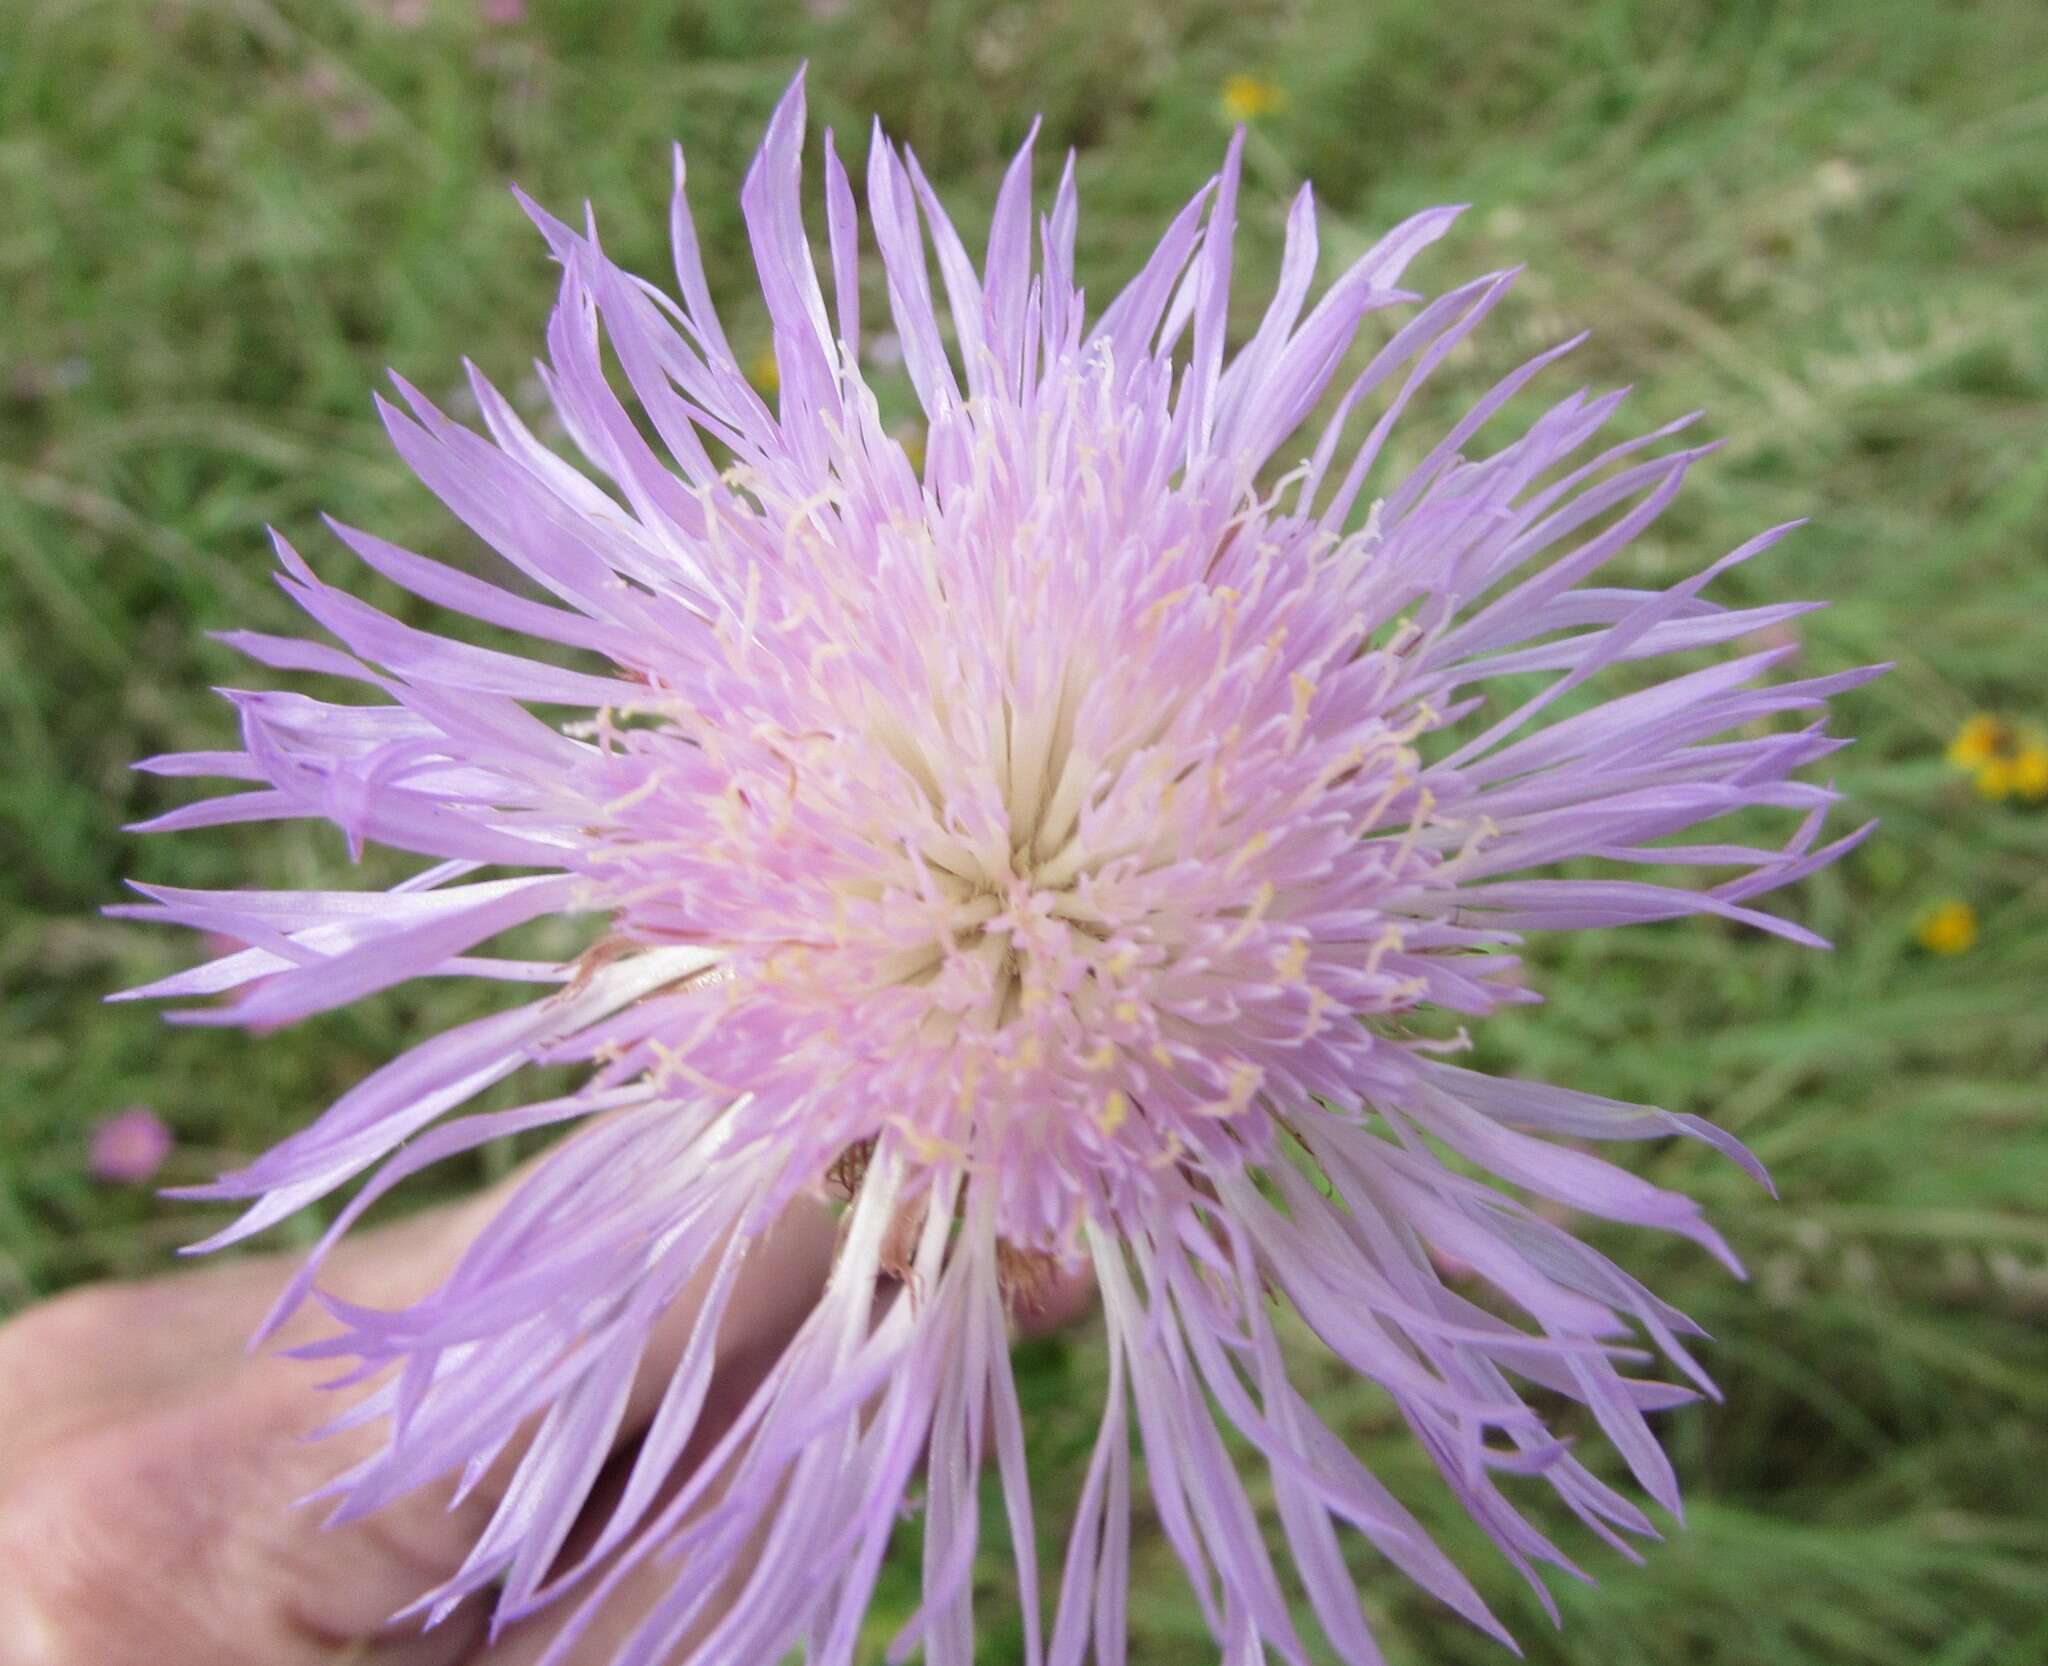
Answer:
[(763, 371), (2006, 760), (1247, 97), (1949, 928), (2030, 773), (1980, 739)]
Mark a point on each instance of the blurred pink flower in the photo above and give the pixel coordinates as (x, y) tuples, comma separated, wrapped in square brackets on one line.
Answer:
[(129, 1147), (505, 13)]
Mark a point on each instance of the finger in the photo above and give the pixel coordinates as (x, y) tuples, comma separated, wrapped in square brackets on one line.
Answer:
[(603, 1627), (105, 1352), (170, 1537), (1056, 1299), (149, 1468), (604, 1632), (428, 1540)]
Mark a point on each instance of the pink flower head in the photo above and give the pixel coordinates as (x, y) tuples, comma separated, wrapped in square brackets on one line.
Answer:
[(1047, 846), (129, 1147)]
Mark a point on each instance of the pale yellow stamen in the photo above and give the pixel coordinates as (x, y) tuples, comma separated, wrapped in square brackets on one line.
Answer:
[(1249, 851), (1115, 1109), (1304, 691)]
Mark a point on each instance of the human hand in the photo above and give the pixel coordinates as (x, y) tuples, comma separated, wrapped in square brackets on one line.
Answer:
[(149, 1468)]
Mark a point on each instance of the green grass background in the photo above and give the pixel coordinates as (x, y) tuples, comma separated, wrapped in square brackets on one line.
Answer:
[(1826, 222)]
